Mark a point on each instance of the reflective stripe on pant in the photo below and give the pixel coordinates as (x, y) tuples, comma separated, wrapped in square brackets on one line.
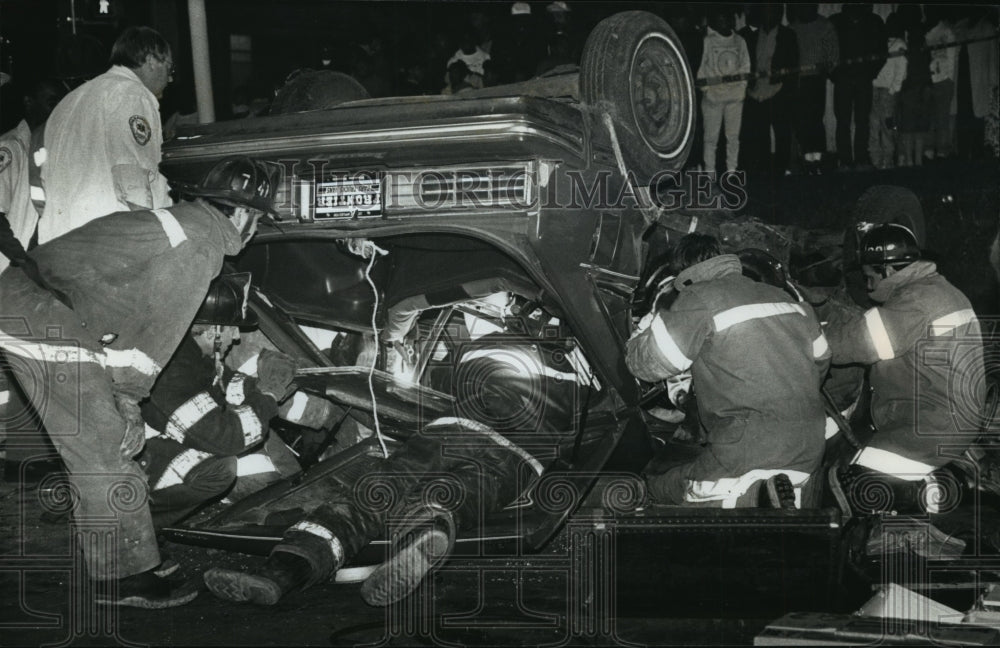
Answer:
[(74, 398), (206, 479), (452, 466)]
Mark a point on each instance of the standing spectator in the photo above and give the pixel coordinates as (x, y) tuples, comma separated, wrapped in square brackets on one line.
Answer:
[(518, 48), (977, 77), (944, 70), (724, 54), (473, 57), (18, 216), (886, 87), (562, 30), (458, 74), (914, 96), (773, 54), (861, 35), (819, 52), (103, 139)]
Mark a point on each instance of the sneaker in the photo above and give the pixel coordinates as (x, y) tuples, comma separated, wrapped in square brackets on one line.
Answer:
[(145, 590), (281, 573), (399, 576), (777, 492), (241, 587)]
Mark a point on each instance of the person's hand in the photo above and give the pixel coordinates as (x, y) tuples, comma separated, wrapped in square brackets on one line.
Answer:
[(275, 372), (135, 428)]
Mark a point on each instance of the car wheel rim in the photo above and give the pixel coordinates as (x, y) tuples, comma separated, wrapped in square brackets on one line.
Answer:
[(661, 97)]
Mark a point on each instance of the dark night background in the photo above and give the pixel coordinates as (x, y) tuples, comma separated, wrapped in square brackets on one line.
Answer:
[(38, 42)]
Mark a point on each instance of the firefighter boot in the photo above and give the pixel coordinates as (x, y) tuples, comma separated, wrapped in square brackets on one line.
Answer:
[(280, 574), (425, 543), (863, 491), (777, 492)]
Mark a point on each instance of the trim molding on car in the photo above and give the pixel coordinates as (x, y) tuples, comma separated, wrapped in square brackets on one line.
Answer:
[(502, 128)]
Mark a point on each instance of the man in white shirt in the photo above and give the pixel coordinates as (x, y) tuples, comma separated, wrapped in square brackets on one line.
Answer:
[(18, 216), (103, 140)]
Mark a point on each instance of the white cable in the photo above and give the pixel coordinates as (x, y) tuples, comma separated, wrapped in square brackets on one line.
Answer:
[(374, 250)]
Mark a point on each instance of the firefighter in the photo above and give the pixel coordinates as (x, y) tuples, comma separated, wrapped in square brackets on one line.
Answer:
[(88, 336), (202, 415), (757, 359), (517, 397), (924, 349)]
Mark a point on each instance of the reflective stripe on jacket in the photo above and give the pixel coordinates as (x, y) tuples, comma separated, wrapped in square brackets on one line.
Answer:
[(135, 279), (926, 352), (757, 359)]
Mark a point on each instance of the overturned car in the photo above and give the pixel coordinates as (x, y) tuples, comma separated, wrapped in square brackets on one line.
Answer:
[(399, 219)]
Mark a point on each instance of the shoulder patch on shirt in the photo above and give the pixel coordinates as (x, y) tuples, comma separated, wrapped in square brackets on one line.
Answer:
[(6, 157), (141, 132)]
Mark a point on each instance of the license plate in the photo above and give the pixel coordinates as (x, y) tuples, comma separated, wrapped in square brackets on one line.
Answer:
[(352, 197)]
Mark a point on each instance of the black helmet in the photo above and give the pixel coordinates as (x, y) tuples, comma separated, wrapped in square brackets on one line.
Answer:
[(889, 244), (227, 302), (762, 266), (239, 182)]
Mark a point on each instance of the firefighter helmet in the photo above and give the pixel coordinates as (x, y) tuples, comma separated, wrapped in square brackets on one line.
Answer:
[(239, 182), (227, 302), (763, 266), (889, 244)]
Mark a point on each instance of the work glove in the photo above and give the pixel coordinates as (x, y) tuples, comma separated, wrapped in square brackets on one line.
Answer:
[(135, 428), (275, 372), (678, 388)]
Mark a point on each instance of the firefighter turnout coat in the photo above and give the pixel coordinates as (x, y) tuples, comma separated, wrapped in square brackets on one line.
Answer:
[(927, 376), (757, 360), (135, 281)]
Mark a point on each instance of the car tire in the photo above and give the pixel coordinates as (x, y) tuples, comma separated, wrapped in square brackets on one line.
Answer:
[(652, 105)]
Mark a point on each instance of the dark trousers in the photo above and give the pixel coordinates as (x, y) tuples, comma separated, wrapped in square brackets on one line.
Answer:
[(811, 107), (455, 467), (181, 478), (759, 117), (852, 97)]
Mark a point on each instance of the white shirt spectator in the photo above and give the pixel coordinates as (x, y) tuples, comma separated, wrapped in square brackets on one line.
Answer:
[(103, 142), (15, 198), (944, 62), (472, 61), (724, 56), (893, 73)]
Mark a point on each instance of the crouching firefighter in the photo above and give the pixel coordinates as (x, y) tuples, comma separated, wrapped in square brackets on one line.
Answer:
[(757, 358), (924, 349), (206, 425), (88, 335), (516, 398)]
